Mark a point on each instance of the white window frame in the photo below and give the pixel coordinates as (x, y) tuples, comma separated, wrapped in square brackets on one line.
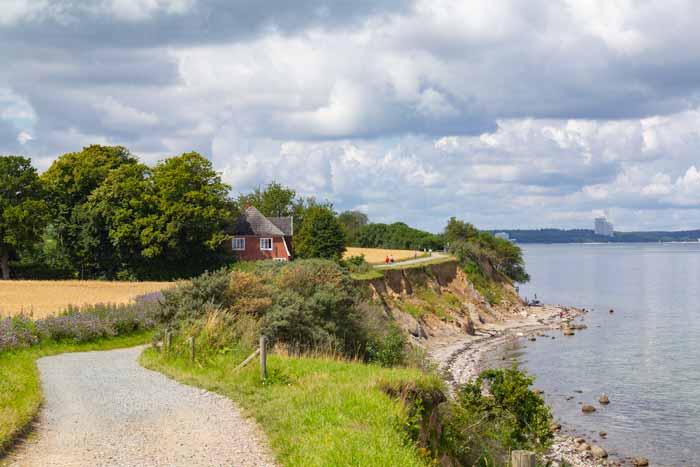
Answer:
[(237, 239), (262, 248)]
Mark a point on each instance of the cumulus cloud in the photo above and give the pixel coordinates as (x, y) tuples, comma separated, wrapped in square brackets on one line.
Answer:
[(505, 113)]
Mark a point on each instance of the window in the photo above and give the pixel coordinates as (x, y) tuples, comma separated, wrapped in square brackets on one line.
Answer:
[(238, 243), (266, 244)]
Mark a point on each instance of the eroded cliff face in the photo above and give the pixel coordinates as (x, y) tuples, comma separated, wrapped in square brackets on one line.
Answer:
[(438, 301)]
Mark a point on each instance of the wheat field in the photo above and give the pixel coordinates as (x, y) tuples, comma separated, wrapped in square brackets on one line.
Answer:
[(43, 298), (378, 255)]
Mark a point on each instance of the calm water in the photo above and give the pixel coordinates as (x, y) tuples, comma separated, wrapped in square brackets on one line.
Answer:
[(646, 355)]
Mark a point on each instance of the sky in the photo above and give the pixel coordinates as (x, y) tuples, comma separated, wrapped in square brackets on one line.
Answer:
[(508, 114)]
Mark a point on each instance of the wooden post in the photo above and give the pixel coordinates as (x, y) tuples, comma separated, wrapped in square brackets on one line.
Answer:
[(263, 357), (168, 340), (191, 341), (523, 459)]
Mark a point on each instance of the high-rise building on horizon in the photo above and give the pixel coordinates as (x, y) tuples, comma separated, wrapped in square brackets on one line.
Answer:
[(603, 227)]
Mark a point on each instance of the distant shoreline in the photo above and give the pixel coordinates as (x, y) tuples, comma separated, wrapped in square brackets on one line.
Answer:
[(547, 236)]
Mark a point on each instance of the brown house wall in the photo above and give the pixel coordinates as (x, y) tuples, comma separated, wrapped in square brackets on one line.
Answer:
[(253, 252)]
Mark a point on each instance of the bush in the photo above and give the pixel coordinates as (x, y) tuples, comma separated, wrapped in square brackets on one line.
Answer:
[(483, 427), (356, 264), (314, 303), (388, 349), (188, 300)]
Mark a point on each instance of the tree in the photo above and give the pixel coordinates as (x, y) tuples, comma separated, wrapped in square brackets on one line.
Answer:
[(459, 230), (321, 235), (22, 209), (156, 223), (352, 222), (275, 200), (68, 183)]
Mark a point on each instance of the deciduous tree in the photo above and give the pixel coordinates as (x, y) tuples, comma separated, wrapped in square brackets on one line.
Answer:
[(22, 209), (320, 235)]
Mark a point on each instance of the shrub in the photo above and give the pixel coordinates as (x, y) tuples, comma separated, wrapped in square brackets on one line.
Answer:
[(388, 349), (314, 303), (483, 427), (188, 300), (356, 264)]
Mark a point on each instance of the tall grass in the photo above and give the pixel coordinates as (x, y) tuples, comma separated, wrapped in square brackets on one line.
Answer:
[(316, 411)]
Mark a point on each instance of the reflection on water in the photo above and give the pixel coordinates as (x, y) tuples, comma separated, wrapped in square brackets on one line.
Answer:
[(645, 355)]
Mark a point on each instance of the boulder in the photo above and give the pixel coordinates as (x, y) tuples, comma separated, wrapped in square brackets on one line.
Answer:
[(554, 427), (583, 447), (579, 440), (568, 332), (599, 452), (587, 408), (640, 461), (604, 399), (603, 434)]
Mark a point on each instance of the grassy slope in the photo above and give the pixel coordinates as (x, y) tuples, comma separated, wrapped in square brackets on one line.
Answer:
[(20, 389), (315, 411)]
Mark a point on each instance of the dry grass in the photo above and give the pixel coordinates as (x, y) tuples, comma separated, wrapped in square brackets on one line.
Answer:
[(42, 298), (378, 255)]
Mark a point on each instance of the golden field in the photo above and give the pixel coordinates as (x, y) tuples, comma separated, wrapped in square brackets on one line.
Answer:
[(42, 298), (378, 255)]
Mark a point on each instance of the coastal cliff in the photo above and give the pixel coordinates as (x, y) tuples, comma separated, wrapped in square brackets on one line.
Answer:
[(436, 303)]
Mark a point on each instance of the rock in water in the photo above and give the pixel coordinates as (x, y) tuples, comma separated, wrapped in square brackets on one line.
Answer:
[(568, 332), (554, 427), (583, 447), (603, 434), (640, 461), (604, 399), (599, 452), (587, 409), (579, 440)]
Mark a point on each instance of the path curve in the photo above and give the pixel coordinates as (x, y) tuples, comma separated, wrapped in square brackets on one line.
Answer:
[(104, 409)]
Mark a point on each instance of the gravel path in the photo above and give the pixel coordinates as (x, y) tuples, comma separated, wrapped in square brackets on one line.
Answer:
[(424, 259), (104, 409)]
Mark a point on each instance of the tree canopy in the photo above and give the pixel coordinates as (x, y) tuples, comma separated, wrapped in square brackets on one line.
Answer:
[(320, 235), (22, 208)]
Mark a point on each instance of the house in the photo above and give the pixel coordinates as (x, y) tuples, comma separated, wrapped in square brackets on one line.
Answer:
[(256, 237)]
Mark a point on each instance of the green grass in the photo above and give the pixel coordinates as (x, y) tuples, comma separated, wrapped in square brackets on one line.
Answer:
[(365, 276), (315, 411), (20, 388)]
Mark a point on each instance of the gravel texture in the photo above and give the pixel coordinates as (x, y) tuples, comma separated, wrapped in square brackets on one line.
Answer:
[(104, 409)]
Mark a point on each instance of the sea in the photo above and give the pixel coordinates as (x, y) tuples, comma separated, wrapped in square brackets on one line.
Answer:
[(645, 355)]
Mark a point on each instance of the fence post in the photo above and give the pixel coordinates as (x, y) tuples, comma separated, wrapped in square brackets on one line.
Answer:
[(191, 341), (168, 340), (523, 459), (263, 357)]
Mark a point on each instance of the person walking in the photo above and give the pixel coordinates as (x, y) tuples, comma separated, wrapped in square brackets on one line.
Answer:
[(387, 259), (391, 258)]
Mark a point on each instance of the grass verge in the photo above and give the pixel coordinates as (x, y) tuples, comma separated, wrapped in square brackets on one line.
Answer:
[(315, 411), (20, 388)]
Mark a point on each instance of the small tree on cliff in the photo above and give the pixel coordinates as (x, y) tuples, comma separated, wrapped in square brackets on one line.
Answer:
[(321, 235), (22, 209)]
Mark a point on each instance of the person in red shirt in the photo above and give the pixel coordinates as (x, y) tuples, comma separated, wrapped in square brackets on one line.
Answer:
[(387, 259)]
